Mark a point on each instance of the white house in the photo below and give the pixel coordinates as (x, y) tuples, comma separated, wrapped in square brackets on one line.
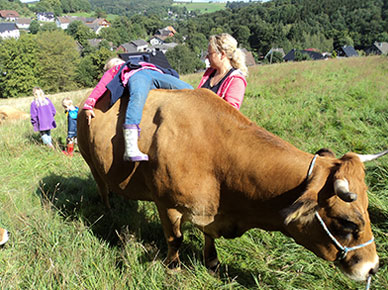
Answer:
[(23, 23), (96, 24), (164, 47), (63, 22), (9, 30), (9, 15), (45, 16), (156, 41)]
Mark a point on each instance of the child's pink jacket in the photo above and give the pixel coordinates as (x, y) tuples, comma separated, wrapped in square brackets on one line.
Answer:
[(232, 89), (100, 89)]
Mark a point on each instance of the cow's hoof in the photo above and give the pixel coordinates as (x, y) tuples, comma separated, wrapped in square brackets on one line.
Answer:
[(213, 267)]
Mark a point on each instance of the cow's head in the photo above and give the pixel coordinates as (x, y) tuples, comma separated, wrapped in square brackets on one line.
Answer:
[(331, 217)]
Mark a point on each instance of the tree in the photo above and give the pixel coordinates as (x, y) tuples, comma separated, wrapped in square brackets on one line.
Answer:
[(91, 67), (80, 32), (58, 57), (49, 26), (18, 66), (34, 27), (242, 34), (184, 60), (197, 42)]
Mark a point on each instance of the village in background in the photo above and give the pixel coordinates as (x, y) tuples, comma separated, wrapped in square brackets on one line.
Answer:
[(180, 32)]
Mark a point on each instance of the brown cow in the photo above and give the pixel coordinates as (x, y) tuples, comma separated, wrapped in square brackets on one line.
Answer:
[(212, 166), (8, 113), (3, 236)]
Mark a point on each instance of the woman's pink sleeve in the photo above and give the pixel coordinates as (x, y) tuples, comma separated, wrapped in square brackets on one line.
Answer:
[(235, 93), (99, 90)]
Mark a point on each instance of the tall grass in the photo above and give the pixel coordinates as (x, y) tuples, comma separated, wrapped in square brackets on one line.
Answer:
[(63, 238)]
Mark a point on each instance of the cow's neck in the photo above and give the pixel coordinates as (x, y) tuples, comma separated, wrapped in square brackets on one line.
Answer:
[(265, 174)]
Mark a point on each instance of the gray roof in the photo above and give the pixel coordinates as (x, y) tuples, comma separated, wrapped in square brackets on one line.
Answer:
[(129, 47), (139, 42), (349, 51), (382, 46), (7, 27)]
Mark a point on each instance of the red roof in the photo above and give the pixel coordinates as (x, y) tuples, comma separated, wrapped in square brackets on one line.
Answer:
[(8, 13)]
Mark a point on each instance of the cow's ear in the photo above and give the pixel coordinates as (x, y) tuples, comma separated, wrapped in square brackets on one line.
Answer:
[(325, 152), (301, 211)]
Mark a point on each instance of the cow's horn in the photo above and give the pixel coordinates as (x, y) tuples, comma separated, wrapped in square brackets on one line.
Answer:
[(341, 189), (370, 157)]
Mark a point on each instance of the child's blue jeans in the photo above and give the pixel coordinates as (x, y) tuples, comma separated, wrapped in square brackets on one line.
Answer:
[(140, 84)]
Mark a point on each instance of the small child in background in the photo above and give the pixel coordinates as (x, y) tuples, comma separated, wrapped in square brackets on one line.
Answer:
[(42, 113), (72, 112)]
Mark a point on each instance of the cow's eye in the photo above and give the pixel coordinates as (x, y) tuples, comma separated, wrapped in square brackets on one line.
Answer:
[(348, 225), (345, 229)]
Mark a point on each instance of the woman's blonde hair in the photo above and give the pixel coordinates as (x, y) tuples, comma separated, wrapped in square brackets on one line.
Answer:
[(112, 63), (39, 96), (227, 44)]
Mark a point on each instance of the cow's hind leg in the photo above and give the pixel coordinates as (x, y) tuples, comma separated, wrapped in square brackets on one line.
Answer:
[(171, 222), (210, 254)]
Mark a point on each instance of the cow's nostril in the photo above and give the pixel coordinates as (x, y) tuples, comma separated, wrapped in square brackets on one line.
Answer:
[(374, 270)]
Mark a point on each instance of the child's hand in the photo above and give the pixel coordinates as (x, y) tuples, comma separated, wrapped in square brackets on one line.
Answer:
[(89, 115)]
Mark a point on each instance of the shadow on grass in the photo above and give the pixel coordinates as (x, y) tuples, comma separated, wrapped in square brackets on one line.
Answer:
[(378, 218), (76, 198)]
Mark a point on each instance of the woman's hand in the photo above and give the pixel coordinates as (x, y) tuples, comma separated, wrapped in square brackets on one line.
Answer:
[(89, 115)]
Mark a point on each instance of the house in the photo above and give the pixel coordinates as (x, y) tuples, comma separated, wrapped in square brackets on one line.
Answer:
[(164, 47), (9, 30), (155, 40), (139, 45), (249, 58), (347, 51), (377, 48), (96, 24), (63, 22), (314, 55), (161, 35), (272, 50), (9, 15), (45, 16), (23, 23)]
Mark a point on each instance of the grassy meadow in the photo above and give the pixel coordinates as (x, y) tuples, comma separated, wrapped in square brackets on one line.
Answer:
[(201, 7), (63, 238)]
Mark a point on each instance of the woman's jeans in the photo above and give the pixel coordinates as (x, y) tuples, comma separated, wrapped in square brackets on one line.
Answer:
[(140, 84)]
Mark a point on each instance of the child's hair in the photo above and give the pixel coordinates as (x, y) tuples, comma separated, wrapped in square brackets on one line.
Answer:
[(39, 96), (113, 62), (226, 43), (66, 102)]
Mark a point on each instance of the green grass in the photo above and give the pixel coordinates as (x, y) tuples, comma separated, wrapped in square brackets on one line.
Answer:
[(200, 7), (63, 238), (109, 17)]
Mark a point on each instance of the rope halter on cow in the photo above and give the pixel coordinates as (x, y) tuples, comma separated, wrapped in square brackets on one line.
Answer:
[(343, 250)]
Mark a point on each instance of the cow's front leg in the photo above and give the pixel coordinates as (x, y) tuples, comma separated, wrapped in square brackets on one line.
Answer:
[(210, 254), (171, 222)]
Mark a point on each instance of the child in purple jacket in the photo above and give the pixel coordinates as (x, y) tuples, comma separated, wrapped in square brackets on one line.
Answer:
[(42, 116)]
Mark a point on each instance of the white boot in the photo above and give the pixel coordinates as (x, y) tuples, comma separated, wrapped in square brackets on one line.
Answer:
[(132, 152)]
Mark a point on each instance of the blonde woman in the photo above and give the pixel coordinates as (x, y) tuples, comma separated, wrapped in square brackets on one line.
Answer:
[(42, 116), (227, 71)]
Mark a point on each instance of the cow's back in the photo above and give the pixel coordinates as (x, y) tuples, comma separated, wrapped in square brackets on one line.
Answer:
[(177, 130)]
